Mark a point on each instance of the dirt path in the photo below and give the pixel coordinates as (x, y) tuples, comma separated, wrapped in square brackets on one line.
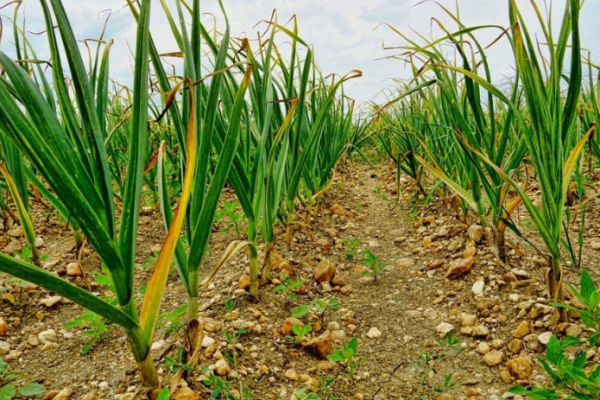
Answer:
[(401, 317)]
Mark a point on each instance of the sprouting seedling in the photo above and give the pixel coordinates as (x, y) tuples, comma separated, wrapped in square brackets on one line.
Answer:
[(234, 217), (347, 356), (95, 328), (173, 321), (321, 305), (351, 247), (373, 263), (288, 288), (174, 365), (230, 305), (299, 333)]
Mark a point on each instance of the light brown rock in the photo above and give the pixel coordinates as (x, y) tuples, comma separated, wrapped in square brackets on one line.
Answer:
[(468, 319), (321, 346), (493, 358), (63, 394), (244, 282), (325, 271), (459, 267), (50, 301), (522, 330), (519, 367), (3, 327), (74, 269), (515, 346)]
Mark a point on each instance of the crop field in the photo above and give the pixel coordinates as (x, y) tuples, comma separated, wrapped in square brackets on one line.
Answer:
[(227, 222)]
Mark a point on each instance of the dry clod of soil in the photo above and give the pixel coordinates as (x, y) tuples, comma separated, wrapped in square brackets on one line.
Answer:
[(486, 303), (15, 233), (515, 346), (292, 375), (519, 367), (459, 267), (476, 233), (468, 319), (325, 271), (212, 325), (221, 368), (48, 336), (321, 346), (483, 348), (244, 282), (522, 330), (74, 269), (338, 210)]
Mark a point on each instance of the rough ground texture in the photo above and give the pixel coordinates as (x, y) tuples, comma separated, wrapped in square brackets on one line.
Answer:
[(421, 336)]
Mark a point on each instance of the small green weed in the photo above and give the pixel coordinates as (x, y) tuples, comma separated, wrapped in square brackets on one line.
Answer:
[(8, 389), (346, 356), (351, 247), (373, 263), (173, 321), (288, 288), (95, 327), (299, 333)]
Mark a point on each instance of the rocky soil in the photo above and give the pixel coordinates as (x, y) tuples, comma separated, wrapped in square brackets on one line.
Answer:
[(441, 318)]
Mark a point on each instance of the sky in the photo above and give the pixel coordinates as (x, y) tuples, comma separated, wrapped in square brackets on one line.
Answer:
[(346, 34)]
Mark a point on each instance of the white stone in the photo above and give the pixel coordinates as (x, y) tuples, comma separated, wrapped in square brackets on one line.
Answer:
[(544, 338), (374, 333), (478, 288), (4, 348), (207, 341), (48, 336), (444, 329)]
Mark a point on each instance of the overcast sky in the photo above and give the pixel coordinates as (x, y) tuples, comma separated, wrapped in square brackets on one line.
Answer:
[(346, 34)]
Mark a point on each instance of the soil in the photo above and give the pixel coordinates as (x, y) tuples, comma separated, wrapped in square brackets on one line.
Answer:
[(406, 357)]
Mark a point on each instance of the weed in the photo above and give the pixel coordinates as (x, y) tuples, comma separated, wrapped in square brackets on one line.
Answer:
[(347, 357), (572, 378), (25, 255), (175, 365), (288, 288), (321, 305), (95, 327), (8, 390), (351, 247), (173, 320), (299, 333), (230, 305), (428, 365), (373, 263)]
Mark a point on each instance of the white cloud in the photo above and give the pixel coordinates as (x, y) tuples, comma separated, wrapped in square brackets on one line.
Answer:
[(346, 34)]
